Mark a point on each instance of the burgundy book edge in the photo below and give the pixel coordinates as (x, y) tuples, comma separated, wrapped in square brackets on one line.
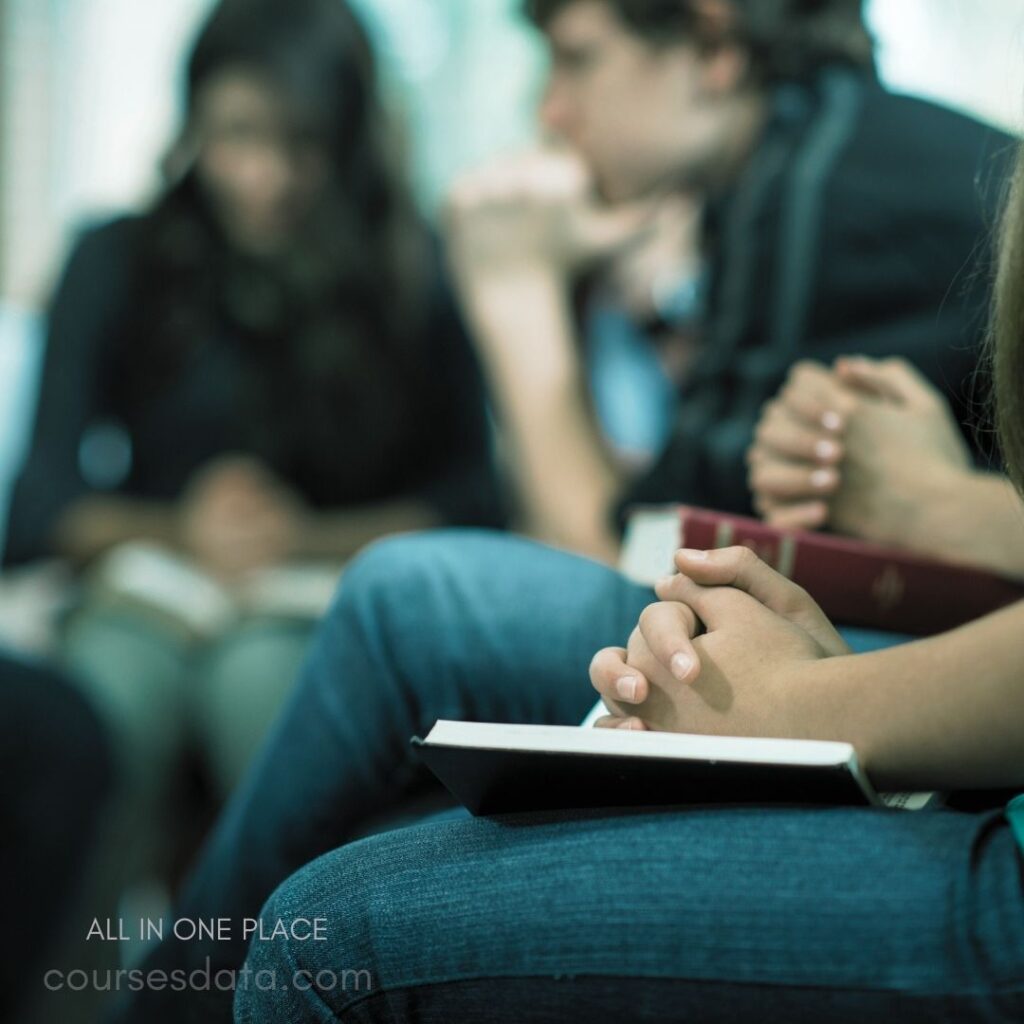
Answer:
[(855, 582)]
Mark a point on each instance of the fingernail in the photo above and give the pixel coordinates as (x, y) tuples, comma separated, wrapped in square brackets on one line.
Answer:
[(832, 421), (693, 555), (826, 449), (681, 665), (822, 478), (626, 688)]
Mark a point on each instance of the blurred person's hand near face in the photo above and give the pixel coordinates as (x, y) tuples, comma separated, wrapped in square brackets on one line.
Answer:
[(262, 168), (237, 516), (535, 213), (635, 122), (639, 121)]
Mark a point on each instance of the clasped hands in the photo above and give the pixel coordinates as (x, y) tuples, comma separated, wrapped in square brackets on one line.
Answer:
[(722, 652), (731, 644)]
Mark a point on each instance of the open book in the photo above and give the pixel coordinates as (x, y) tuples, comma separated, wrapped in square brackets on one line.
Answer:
[(493, 768), (158, 580)]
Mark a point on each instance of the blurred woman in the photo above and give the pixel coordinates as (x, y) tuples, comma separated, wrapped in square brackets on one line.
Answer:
[(263, 368)]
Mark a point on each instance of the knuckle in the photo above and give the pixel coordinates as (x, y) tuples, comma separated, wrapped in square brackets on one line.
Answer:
[(801, 370), (797, 599), (771, 429), (847, 403), (606, 662), (598, 670), (649, 617), (745, 557)]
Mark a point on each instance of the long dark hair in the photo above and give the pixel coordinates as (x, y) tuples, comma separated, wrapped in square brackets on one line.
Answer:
[(329, 326)]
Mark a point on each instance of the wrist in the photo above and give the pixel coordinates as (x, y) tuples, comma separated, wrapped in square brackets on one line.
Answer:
[(942, 522), (523, 326), (527, 280), (828, 700)]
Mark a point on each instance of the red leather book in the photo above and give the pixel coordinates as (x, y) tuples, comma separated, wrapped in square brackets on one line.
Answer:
[(856, 583)]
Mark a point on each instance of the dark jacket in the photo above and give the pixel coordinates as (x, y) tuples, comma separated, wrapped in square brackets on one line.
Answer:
[(861, 226), (94, 433)]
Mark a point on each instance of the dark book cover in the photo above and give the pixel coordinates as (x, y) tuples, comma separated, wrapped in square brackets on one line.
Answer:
[(496, 769)]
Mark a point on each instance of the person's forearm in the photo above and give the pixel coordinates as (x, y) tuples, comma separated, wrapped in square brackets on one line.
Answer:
[(524, 331), (338, 535), (973, 518), (942, 713), (95, 524)]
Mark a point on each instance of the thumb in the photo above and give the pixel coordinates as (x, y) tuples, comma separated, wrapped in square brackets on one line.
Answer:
[(716, 606), (740, 568)]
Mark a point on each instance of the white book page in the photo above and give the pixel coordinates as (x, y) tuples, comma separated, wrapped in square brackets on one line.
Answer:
[(621, 742), (894, 801)]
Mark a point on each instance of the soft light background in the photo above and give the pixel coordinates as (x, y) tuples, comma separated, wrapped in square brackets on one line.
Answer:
[(89, 99)]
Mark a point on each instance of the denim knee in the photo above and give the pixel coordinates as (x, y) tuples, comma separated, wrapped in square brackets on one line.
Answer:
[(404, 596), (308, 958), (395, 564)]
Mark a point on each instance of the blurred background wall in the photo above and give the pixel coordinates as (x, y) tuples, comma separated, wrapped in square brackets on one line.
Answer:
[(89, 100)]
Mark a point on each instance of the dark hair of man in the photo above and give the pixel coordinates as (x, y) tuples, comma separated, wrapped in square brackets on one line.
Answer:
[(786, 39), (331, 319)]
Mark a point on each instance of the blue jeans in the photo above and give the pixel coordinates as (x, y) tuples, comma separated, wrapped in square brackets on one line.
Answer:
[(460, 624), (738, 916)]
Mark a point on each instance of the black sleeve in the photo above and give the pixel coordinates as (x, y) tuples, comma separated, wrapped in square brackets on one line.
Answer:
[(704, 463), (82, 316), (892, 259), (464, 488)]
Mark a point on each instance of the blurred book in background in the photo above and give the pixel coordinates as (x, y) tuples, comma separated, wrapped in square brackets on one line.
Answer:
[(163, 583)]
